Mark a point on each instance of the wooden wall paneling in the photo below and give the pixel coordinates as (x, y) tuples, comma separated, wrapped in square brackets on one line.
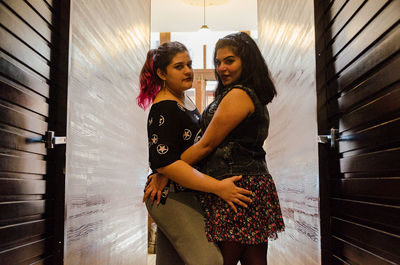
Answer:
[(338, 261), (16, 94), (20, 154), (379, 242), (18, 142), (336, 8), (371, 137), (16, 175), (25, 33), (377, 54), (33, 19), (381, 24), (20, 74), (357, 24), (12, 46), (25, 253), (385, 160), (365, 189), (381, 216), (49, 3), (16, 139), (380, 109), (343, 18), (333, 39), (371, 85), (373, 71), (382, 50), (20, 209), (353, 254), (23, 165), (43, 9), (23, 231), (22, 186), (363, 94), (22, 119), (27, 81), (383, 174)]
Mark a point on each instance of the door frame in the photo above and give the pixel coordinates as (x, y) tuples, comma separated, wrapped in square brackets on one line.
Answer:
[(58, 120)]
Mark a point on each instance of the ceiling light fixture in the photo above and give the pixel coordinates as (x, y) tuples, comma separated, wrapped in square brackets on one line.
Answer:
[(204, 28)]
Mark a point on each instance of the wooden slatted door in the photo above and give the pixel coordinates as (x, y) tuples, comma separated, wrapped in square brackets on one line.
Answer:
[(32, 83), (358, 73)]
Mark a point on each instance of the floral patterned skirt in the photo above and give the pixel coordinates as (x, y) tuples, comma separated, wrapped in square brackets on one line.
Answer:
[(262, 220)]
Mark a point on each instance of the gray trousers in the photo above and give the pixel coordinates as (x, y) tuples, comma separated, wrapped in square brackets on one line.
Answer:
[(182, 224)]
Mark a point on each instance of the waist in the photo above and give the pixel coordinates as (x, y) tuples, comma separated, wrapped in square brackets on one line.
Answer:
[(220, 168)]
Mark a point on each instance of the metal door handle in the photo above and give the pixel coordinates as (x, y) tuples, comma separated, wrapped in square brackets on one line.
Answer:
[(48, 139), (329, 138), (333, 138)]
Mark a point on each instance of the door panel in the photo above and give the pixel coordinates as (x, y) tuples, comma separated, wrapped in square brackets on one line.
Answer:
[(12, 70), (31, 17), (375, 83), (364, 189), (359, 94), (383, 50), (28, 81)]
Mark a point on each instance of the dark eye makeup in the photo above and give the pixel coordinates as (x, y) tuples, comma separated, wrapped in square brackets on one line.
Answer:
[(180, 66)]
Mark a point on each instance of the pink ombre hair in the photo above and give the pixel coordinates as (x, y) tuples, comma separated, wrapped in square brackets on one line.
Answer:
[(150, 83)]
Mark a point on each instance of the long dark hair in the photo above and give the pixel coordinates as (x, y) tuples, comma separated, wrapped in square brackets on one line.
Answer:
[(255, 73), (150, 82)]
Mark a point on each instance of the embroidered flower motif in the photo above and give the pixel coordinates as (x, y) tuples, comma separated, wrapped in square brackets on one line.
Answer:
[(154, 139), (161, 120), (164, 192), (198, 136), (150, 121), (162, 149), (187, 134)]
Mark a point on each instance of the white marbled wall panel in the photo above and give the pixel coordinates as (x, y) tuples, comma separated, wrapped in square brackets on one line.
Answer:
[(286, 39), (106, 222)]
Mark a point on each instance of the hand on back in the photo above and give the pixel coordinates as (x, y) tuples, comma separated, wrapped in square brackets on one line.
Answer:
[(232, 194)]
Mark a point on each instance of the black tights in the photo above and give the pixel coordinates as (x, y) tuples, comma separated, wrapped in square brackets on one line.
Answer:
[(246, 254)]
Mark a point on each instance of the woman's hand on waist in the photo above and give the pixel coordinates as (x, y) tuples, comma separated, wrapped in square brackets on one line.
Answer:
[(156, 184), (232, 194)]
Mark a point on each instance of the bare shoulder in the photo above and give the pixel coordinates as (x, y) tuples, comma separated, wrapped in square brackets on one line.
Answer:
[(238, 97)]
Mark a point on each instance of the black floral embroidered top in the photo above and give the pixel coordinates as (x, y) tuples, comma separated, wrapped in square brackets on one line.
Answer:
[(171, 129)]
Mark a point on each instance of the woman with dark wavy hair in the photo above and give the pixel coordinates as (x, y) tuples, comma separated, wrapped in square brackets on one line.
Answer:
[(172, 127), (235, 127)]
